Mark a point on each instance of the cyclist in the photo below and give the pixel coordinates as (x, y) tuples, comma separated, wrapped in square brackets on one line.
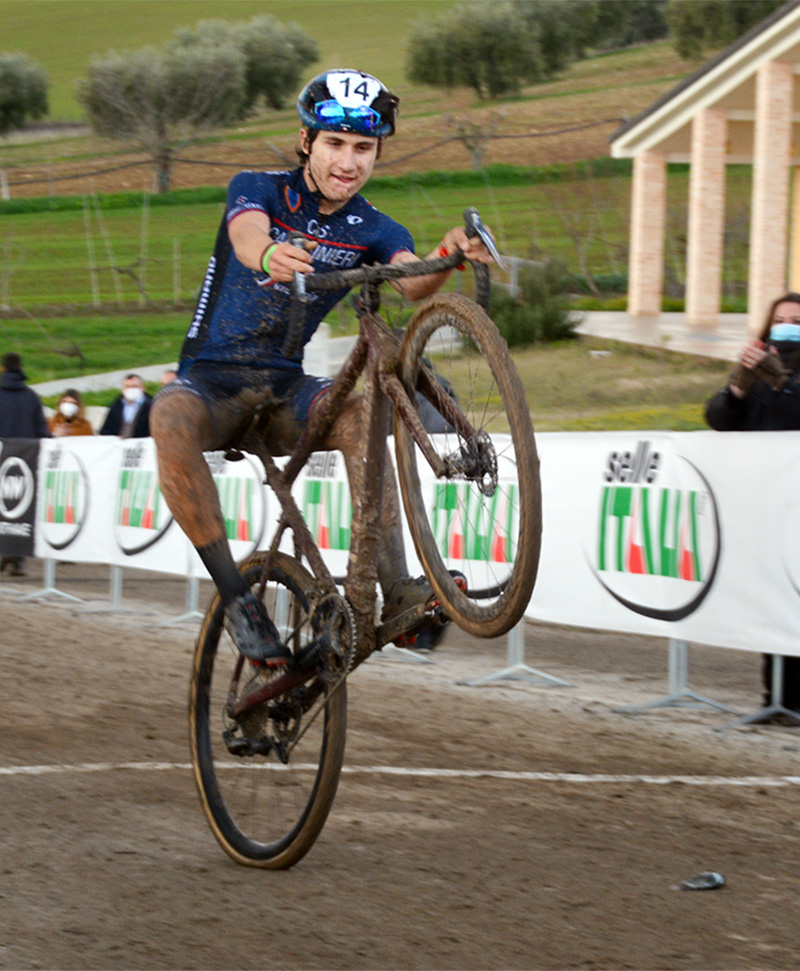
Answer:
[(232, 356)]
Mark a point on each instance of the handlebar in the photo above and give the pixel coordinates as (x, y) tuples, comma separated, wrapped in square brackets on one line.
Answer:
[(305, 283), (339, 279)]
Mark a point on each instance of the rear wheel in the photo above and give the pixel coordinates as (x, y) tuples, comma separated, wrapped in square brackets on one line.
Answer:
[(482, 516), (267, 745)]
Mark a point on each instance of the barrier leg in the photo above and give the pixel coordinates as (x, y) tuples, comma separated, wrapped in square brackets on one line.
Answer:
[(768, 712), (392, 650), (192, 600), (115, 586), (517, 669), (114, 596), (679, 695), (49, 588)]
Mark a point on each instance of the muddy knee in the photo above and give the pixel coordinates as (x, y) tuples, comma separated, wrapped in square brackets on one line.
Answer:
[(180, 417), (180, 425)]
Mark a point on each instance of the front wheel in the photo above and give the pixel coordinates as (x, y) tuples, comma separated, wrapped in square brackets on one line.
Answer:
[(267, 746), (482, 515)]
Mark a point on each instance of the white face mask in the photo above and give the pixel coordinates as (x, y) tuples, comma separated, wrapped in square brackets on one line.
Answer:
[(132, 394), (68, 409)]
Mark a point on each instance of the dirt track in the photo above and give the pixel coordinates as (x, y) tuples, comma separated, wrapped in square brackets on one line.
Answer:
[(108, 862)]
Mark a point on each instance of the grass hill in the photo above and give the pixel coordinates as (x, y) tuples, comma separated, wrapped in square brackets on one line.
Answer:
[(565, 120), (63, 36)]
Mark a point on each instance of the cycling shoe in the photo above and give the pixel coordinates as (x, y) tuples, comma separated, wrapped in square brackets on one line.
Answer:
[(254, 633), (407, 593)]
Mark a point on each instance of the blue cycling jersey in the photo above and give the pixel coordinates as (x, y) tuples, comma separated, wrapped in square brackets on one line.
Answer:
[(242, 314)]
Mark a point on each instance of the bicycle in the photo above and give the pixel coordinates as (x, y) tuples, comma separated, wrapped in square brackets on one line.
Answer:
[(267, 747)]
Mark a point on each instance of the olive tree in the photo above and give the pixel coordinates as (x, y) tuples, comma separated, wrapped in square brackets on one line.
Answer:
[(697, 26), (276, 55), (23, 92), (483, 46), (494, 48), (162, 99)]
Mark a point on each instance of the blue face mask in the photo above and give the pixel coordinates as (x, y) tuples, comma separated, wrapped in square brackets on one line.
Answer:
[(784, 332)]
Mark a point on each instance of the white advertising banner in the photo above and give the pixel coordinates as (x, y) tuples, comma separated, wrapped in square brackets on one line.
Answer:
[(686, 535)]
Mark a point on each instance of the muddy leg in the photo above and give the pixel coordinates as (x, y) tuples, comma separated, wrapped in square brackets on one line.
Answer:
[(181, 426)]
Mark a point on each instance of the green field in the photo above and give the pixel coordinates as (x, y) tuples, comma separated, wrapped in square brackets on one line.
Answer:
[(114, 252), (63, 35), (47, 255)]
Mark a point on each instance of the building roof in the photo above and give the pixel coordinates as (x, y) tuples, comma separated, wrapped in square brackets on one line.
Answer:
[(726, 82)]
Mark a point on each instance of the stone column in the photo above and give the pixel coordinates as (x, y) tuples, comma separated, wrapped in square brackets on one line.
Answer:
[(770, 210), (648, 216), (706, 218), (794, 269)]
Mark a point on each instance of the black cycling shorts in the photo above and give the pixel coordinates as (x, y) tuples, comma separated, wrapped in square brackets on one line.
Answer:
[(231, 393)]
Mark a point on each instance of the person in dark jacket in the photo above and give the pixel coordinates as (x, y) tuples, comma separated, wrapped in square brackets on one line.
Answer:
[(763, 394), (21, 416), (129, 415), (21, 412)]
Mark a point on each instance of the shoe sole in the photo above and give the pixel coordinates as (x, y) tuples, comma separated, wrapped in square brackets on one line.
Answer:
[(408, 640)]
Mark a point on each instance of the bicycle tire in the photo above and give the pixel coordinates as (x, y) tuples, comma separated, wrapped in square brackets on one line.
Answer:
[(263, 813), (464, 346)]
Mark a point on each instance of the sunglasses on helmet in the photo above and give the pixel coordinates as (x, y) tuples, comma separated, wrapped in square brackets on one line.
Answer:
[(362, 119)]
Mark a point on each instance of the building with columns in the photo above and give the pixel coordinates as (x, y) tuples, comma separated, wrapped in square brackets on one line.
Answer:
[(743, 106)]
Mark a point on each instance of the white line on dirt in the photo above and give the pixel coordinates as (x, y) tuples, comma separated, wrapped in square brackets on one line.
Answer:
[(572, 778)]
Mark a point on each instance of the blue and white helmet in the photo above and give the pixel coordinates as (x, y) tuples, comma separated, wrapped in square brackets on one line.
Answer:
[(348, 101)]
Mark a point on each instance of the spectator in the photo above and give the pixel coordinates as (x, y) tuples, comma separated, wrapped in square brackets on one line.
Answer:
[(21, 416), (70, 417), (763, 394), (129, 415), (168, 376), (21, 412)]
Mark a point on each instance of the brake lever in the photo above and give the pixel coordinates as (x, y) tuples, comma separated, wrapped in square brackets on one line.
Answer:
[(297, 314), (475, 227), (299, 279)]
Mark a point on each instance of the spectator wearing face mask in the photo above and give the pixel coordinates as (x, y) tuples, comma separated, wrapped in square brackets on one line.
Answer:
[(70, 418), (129, 415), (763, 394)]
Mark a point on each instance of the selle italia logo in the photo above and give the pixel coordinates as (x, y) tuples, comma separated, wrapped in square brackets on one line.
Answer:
[(139, 499), (658, 537), (468, 527), (141, 515), (326, 505), (64, 499), (237, 499), (241, 497)]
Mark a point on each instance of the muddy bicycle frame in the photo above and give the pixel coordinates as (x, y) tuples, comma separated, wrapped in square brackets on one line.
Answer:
[(375, 356)]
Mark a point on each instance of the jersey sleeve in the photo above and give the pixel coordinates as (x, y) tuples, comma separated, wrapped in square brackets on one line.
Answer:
[(250, 191), (391, 240)]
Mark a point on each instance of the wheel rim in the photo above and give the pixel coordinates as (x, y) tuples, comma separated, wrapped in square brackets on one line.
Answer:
[(262, 809), (490, 535)]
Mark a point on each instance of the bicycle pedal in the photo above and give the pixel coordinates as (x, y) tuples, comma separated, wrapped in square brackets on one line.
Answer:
[(459, 580), (270, 665)]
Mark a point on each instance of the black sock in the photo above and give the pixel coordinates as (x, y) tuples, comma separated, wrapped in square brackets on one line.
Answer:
[(218, 561)]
